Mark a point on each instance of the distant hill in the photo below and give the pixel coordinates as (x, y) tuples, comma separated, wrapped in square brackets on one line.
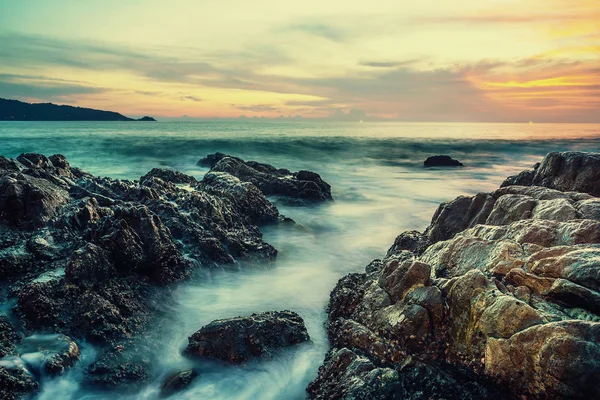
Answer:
[(14, 110)]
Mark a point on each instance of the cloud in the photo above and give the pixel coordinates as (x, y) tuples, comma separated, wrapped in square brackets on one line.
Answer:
[(476, 91), (192, 98), (388, 64), (258, 108), (38, 87), (320, 30)]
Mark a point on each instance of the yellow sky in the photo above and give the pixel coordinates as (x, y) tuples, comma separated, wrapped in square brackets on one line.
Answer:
[(484, 60)]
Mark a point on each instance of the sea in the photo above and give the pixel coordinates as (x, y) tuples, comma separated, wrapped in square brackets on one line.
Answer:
[(380, 187)]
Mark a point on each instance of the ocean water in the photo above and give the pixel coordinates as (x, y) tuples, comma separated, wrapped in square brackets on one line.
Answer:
[(380, 189)]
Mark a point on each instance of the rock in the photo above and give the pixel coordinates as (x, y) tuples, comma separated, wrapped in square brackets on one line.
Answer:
[(177, 381), (412, 241), (346, 375), (568, 171), (303, 185), (442, 161), (524, 178), (16, 383), (25, 200), (169, 175), (48, 354), (498, 298), (8, 337), (245, 195), (558, 359), (237, 340), (443, 381), (89, 265), (125, 366)]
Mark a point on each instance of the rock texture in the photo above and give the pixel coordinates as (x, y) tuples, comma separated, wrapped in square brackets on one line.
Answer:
[(442, 161), (498, 298), (88, 257), (302, 185), (240, 339)]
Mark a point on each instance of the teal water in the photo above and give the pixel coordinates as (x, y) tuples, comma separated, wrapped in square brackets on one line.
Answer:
[(380, 187)]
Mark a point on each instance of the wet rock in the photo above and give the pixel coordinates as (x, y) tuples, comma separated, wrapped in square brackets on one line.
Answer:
[(25, 200), (304, 185), (90, 257), (177, 381), (442, 161), (125, 366), (8, 337), (412, 241), (48, 354), (524, 178), (169, 175), (240, 339), (245, 195), (502, 300), (443, 381), (346, 375), (558, 359), (16, 383), (568, 171), (89, 265)]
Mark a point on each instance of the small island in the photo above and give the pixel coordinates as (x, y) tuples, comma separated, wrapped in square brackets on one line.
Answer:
[(14, 110)]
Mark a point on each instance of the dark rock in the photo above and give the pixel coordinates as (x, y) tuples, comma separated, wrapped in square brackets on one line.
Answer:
[(569, 171), (444, 381), (177, 381), (240, 339), (304, 185), (25, 200), (147, 119), (246, 196), (524, 178), (442, 161), (8, 337), (124, 366), (89, 265), (48, 354), (16, 383), (169, 175), (347, 375), (412, 241), (211, 160)]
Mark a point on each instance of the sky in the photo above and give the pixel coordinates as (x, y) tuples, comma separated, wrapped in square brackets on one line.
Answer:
[(426, 60)]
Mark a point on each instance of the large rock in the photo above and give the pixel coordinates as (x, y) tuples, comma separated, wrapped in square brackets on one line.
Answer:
[(568, 171), (303, 185), (90, 257), (501, 293), (442, 161), (16, 383), (177, 381), (240, 339)]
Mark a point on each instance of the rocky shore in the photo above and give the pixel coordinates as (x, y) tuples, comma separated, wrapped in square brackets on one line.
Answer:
[(498, 298), (85, 258)]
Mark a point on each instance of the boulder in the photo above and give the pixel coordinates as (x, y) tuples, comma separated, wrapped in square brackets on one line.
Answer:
[(169, 175), (8, 337), (237, 340), (568, 172), (125, 366), (498, 298), (442, 161), (177, 381), (16, 383), (303, 185)]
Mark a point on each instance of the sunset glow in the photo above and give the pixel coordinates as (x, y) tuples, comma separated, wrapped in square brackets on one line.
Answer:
[(498, 60)]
